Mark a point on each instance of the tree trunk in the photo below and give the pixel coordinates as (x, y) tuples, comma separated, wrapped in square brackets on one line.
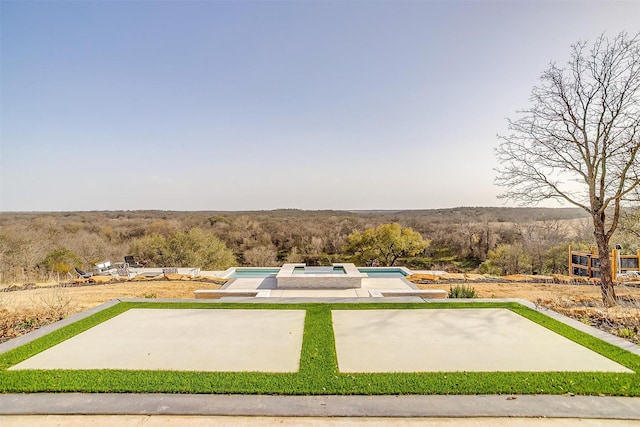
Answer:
[(606, 280)]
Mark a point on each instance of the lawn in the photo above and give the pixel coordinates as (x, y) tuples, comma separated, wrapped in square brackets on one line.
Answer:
[(318, 373)]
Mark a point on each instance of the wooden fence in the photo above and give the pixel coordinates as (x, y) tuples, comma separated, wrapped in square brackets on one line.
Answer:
[(587, 264)]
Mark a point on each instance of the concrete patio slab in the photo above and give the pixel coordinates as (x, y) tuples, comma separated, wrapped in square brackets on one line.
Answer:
[(456, 340), (183, 340)]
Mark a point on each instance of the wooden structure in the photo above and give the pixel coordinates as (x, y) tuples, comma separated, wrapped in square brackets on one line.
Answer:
[(587, 264)]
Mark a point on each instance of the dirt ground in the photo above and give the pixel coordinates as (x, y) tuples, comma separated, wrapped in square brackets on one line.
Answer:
[(579, 301), (85, 297), (535, 291)]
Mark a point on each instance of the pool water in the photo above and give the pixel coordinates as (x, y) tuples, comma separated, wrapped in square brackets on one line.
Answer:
[(390, 273), (254, 272), (319, 270)]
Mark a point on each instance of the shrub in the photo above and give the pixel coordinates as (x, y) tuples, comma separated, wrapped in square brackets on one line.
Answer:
[(462, 291)]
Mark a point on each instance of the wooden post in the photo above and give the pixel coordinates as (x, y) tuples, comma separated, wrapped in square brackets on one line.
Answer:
[(571, 260), (614, 264)]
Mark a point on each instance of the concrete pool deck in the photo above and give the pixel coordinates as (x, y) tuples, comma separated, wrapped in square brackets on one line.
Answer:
[(267, 287), (368, 283)]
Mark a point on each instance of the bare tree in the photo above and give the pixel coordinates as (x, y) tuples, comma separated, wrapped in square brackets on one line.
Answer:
[(579, 141), (261, 256), (630, 223)]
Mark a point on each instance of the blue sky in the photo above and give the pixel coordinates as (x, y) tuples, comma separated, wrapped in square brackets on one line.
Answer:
[(213, 105)]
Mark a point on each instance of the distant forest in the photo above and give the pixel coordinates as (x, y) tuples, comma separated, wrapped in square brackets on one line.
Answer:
[(47, 245)]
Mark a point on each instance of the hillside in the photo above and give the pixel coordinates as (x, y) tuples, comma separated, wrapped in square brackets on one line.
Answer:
[(40, 245)]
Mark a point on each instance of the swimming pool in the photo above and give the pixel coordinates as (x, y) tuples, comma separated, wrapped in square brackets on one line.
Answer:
[(375, 272)]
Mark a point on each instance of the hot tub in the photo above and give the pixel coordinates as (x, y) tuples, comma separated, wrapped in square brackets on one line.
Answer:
[(338, 276)]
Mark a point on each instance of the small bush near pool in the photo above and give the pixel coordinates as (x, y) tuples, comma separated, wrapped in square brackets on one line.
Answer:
[(462, 291)]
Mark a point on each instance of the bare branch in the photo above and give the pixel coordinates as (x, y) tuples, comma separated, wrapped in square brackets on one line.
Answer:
[(579, 141)]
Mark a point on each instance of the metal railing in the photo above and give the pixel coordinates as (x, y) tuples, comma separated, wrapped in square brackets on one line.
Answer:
[(587, 264)]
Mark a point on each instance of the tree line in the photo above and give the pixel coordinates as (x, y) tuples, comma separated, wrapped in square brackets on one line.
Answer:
[(41, 246)]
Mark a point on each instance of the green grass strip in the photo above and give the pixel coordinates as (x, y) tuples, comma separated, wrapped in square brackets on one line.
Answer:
[(318, 373)]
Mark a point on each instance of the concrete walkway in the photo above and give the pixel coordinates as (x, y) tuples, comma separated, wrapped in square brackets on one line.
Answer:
[(356, 407), (199, 421)]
